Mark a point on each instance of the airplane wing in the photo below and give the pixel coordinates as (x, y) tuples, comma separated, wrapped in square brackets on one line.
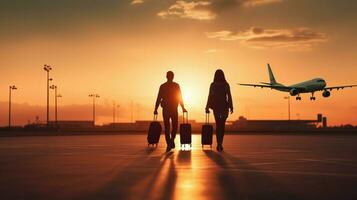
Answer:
[(339, 87), (266, 86)]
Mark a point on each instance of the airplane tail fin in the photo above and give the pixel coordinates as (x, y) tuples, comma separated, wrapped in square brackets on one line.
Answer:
[(271, 76)]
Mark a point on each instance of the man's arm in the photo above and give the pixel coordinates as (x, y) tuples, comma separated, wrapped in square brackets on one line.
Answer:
[(158, 100), (180, 99)]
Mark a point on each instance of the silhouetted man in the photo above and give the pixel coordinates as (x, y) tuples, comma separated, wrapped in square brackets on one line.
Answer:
[(169, 97)]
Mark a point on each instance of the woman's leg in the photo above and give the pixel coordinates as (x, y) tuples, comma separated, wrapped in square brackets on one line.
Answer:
[(219, 127), (217, 119), (221, 130), (224, 117)]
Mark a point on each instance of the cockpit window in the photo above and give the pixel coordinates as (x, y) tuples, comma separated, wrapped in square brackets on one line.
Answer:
[(320, 81)]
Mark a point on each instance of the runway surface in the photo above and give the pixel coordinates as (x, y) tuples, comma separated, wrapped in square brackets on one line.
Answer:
[(123, 167)]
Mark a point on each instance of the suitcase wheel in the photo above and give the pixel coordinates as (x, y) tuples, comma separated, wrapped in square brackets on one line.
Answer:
[(152, 145)]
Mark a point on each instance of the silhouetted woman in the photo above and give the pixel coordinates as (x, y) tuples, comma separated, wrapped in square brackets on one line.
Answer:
[(220, 101)]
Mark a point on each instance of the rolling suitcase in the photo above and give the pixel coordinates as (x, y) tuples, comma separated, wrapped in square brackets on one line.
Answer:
[(185, 131), (207, 132), (154, 132)]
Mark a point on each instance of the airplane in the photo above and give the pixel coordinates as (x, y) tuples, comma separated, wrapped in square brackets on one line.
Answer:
[(310, 86)]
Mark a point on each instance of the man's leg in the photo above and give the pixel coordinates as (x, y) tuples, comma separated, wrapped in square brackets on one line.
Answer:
[(166, 117), (174, 119)]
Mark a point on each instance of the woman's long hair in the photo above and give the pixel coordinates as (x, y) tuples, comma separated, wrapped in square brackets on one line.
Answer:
[(219, 77)]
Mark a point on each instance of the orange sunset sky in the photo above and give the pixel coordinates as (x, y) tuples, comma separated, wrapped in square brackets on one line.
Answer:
[(121, 49)]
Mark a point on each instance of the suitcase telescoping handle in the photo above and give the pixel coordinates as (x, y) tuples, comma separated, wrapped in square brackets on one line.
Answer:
[(183, 117), (155, 117), (207, 118)]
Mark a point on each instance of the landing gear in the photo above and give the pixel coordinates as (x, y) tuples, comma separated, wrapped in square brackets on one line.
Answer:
[(298, 98), (312, 98)]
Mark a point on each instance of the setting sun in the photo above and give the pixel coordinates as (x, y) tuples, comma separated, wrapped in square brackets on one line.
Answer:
[(192, 97)]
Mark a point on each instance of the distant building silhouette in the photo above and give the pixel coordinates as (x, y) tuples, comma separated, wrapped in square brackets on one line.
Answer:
[(242, 124)]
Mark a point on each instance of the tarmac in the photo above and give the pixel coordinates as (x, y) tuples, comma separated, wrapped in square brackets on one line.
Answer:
[(123, 167)]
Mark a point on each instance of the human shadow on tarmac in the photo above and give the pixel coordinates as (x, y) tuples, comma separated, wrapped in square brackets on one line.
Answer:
[(239, 180), (139, 179), (162, 185), (168, 188)]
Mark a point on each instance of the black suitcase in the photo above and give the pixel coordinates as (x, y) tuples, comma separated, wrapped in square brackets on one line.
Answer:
[(154, 132), (185, 131), (207, 132)]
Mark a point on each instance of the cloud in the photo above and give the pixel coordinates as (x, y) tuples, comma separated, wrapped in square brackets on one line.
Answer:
[(221, 5), (256, 37), (134, 2), (207, 9), (189, 9), (253, 3)]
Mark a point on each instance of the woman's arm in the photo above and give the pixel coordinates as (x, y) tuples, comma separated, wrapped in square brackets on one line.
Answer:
[(230, 102), (209, 99)]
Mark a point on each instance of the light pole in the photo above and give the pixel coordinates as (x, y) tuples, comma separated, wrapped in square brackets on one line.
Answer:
[(48, 68), (94, 96), (13, 87), (288, 98), (114, 110), (131, 111), (57, 96), (54, 87)]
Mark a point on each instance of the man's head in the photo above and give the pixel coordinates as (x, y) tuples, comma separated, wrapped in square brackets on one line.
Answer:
[(170, 76)]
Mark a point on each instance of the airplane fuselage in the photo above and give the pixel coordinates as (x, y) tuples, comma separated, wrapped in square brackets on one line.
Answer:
[(309, 86)]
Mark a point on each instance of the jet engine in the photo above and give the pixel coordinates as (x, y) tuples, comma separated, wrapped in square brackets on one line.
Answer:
[(326, 93), (294, 92)]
